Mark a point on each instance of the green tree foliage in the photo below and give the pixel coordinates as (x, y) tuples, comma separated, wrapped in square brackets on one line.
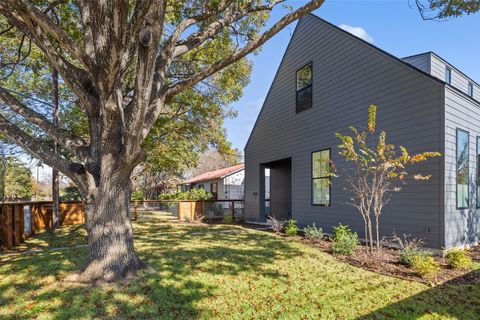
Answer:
[(442, 9), (18, 180), (377, 166), (70, 193)]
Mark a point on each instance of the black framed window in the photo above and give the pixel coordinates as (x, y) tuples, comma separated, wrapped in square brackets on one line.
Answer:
[(321, 178), (304, 88), (478, 173), (462, 142), (470, 89), (448, 75)]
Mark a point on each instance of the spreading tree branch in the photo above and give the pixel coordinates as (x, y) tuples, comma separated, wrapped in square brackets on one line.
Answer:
[(43, 21), (166, 93), (75, 145), (78, 79), (37, 149)]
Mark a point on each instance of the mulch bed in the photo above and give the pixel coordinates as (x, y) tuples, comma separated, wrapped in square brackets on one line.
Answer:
[(386, 261)]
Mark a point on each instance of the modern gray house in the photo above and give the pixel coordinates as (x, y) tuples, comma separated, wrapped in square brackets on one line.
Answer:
[(325, 82)]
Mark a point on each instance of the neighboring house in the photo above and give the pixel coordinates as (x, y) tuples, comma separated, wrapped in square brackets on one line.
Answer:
[(224, 184), (325, 83)]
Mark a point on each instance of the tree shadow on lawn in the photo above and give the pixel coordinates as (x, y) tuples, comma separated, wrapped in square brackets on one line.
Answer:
[(32, 286), (39, 293), (458, 299), (216, 250), (66, 236), (185, 259)]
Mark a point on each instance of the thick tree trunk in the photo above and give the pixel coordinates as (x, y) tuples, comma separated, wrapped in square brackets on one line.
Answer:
[(110, 235)]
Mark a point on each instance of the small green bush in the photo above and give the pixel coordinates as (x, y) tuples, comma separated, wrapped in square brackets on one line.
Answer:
[(291, 229), (344, 240), (193, 194), (425, 266), (312, 232), (228, 219), (408, 254), (459, 259)]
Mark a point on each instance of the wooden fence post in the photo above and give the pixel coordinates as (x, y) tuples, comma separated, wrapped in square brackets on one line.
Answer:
[(179, 203), (233, 210), (135, 213)]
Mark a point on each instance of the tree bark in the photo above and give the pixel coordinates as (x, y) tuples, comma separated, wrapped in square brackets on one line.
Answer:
[(55, 177), (112, 254), (370, 234)]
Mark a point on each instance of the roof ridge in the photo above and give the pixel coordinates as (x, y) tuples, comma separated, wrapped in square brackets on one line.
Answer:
[(216, 174)]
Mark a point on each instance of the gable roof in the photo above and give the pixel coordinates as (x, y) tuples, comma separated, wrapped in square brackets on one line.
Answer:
[(216, 174), (389, 55)]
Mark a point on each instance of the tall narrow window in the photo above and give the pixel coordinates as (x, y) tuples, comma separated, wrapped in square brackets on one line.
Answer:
[(304, 88), (321, 178), (214, 190), (470, 89), (478, 172), (448, 75), (462, 169)]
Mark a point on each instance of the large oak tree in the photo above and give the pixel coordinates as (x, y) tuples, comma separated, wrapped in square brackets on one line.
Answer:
[(126, 63)]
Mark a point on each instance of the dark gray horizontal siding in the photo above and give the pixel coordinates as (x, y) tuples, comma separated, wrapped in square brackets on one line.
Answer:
[(348, 77), (461, 225)]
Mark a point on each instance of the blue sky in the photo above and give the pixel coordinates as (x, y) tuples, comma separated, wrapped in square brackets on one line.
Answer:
[(394, 26)]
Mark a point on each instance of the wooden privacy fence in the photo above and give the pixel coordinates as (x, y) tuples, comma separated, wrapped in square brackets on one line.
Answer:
[(192, 210), (20, 220)]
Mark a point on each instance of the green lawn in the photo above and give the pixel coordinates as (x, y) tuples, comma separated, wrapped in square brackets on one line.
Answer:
[(213, 273)]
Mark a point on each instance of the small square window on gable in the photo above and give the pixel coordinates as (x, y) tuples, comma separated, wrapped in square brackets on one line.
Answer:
[(304, 87)]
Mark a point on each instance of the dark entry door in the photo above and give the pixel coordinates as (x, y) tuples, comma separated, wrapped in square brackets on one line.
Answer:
[(281, 189)]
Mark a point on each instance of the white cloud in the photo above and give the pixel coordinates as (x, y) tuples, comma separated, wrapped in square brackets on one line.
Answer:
[(357, 31)]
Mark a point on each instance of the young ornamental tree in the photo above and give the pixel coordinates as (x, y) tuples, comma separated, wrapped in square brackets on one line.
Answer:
[(126, 62), (376, 172)]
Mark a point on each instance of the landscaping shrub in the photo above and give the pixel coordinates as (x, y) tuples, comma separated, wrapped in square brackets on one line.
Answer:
[(137, 195), (409, 254), (312, 232), (227, 219), (344, 240), (425, 266), (291, 228), (193, 194), (459, 259)]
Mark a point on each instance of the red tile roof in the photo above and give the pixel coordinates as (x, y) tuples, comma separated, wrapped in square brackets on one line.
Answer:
[(217, 174)]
